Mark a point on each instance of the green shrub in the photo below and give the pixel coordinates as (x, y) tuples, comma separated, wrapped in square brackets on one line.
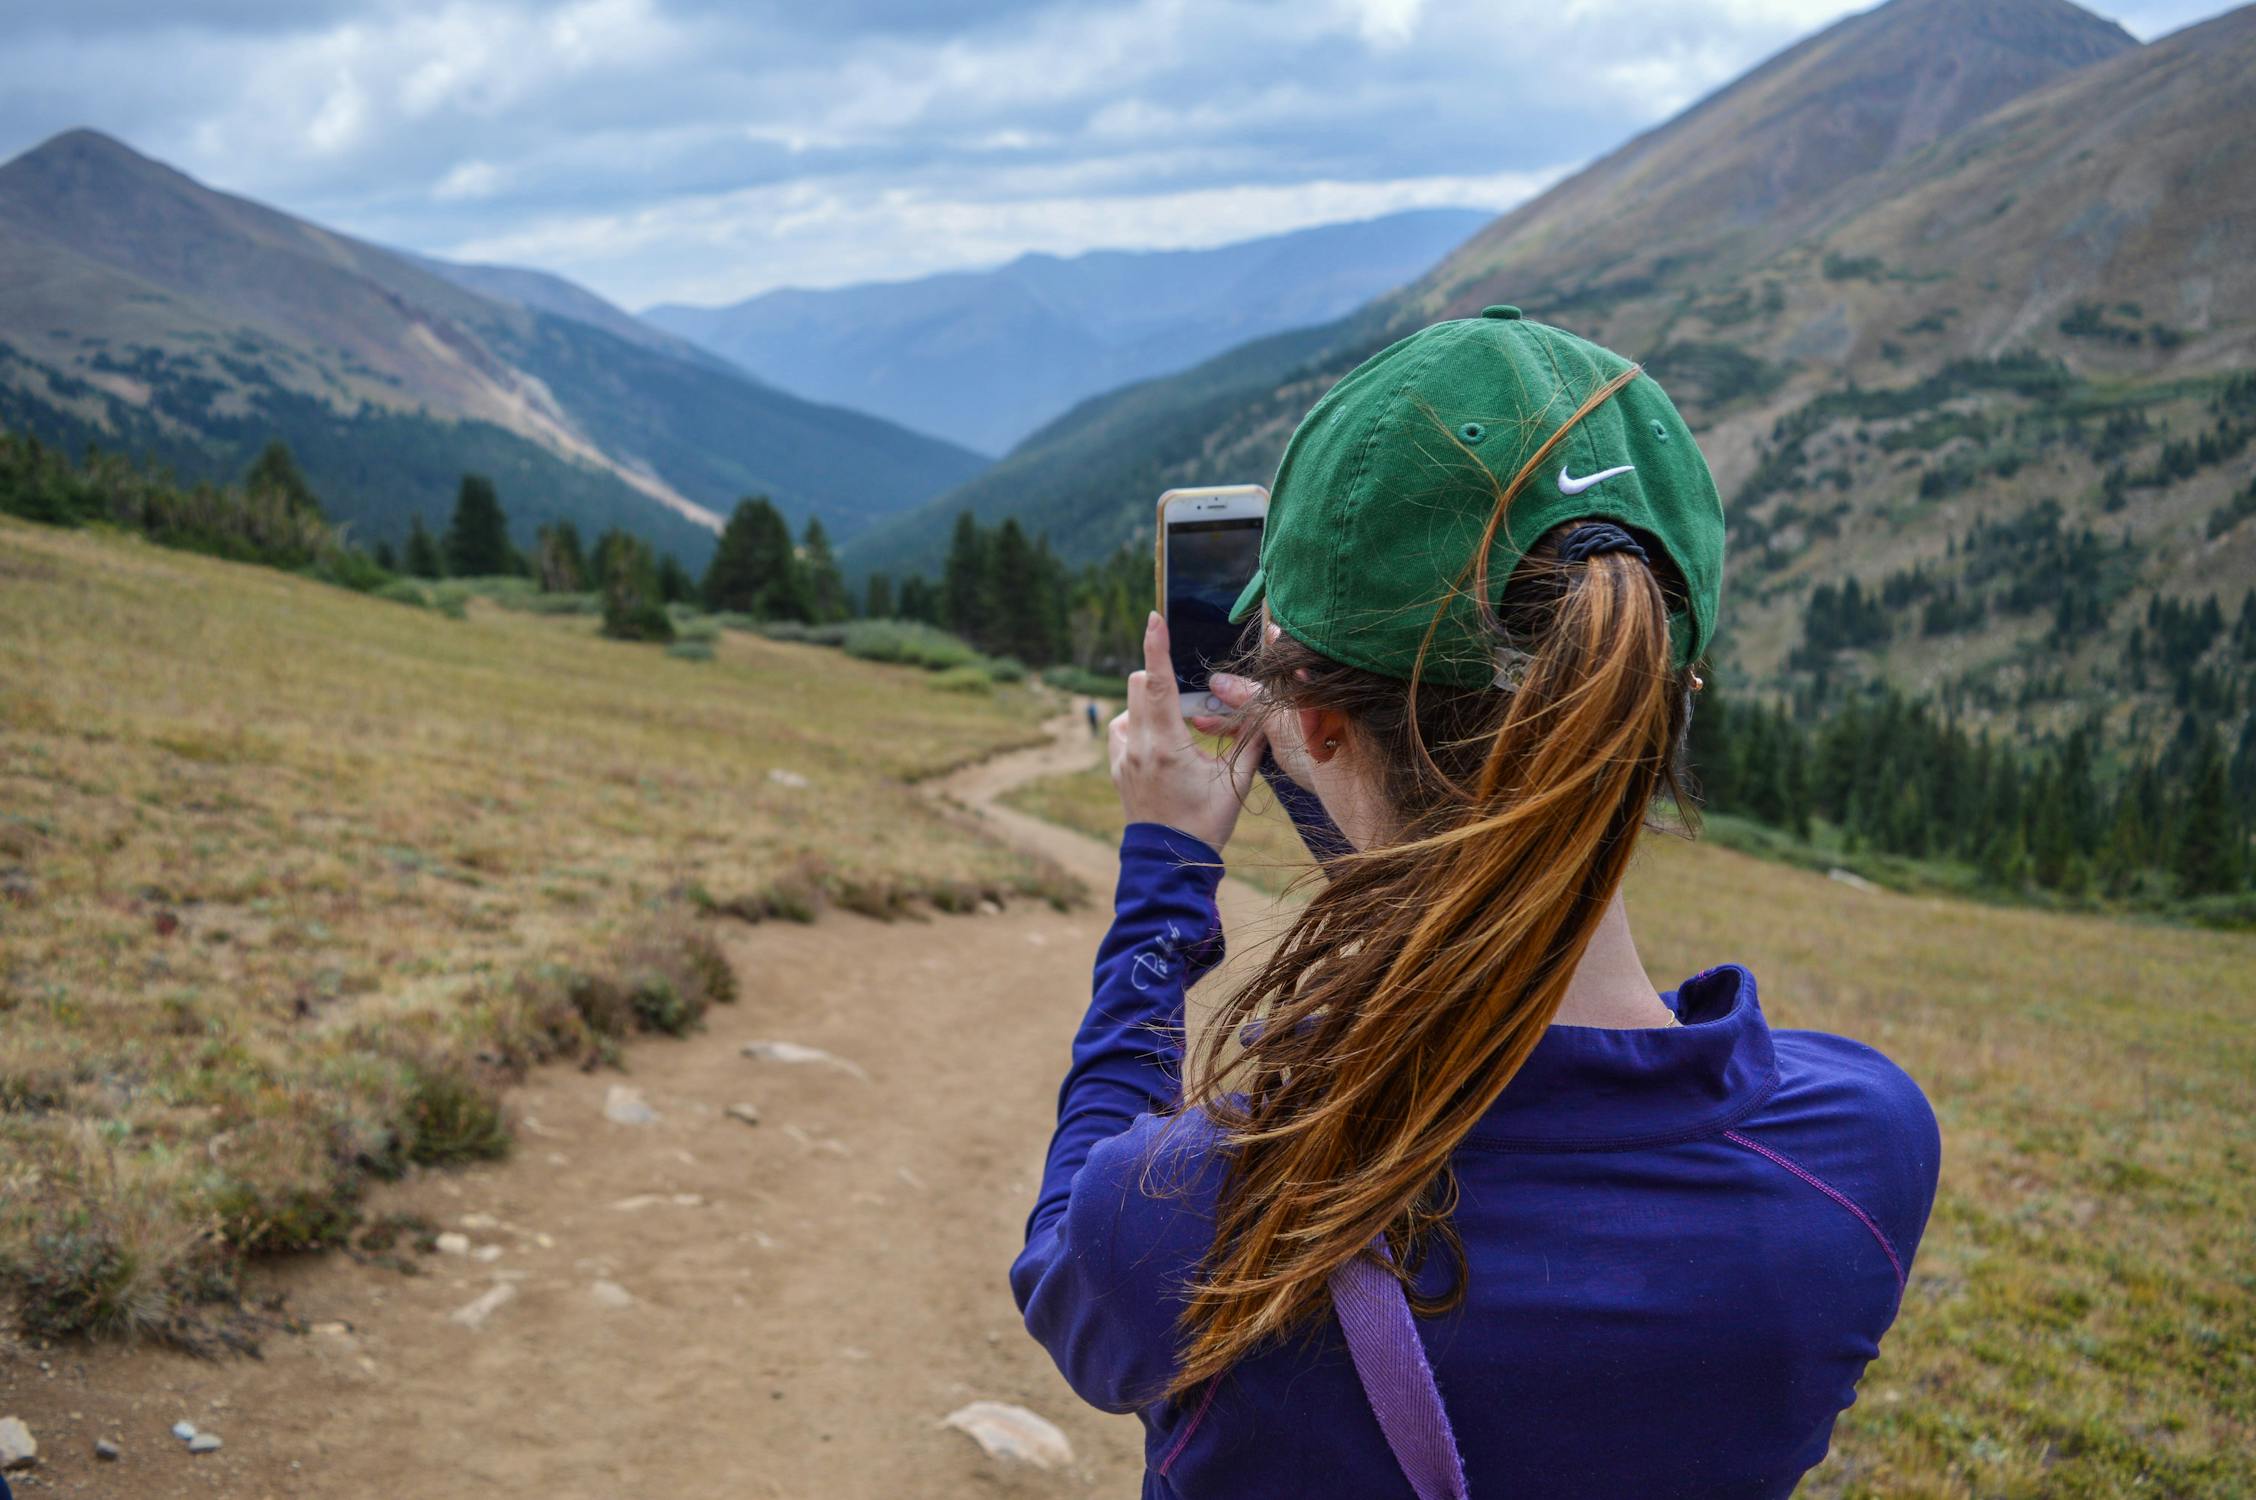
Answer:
[(452, 1114), (1005, 669), (405, 591), (964, 679), (1088, 684), (695, 649), (638, 620)]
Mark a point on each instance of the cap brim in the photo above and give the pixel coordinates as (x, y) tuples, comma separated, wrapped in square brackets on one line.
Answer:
[(1250, 600)]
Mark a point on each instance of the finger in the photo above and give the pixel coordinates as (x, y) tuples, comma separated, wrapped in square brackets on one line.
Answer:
[(1245, 759), (1116, 743), (1159, 692)]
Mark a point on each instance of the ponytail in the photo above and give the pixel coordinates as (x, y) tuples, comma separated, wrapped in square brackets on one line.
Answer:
[(1414, 984)]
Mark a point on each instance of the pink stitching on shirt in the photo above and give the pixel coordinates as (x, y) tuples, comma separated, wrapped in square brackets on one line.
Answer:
[(1895, 1263), (1190, 1427)]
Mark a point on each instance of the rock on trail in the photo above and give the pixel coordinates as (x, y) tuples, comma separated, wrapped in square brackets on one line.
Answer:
[(626, 1106), (793, 1052), (18, 1448), (1013, 1434), (474, 1314)]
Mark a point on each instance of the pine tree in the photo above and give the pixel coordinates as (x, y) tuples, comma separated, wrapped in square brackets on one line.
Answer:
[(275, 471), (558, 565), (1018, 612), (2210, 842), (477, 541), (386, 558), (877, 598), (631, 607), (825, 585), (964, 582), (675, 586), (422, 556), (754, 570)]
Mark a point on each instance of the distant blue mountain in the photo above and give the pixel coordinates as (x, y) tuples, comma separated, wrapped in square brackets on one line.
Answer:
[(982, 358)]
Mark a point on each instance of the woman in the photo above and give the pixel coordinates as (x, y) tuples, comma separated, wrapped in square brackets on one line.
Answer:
[(1650, 1244)]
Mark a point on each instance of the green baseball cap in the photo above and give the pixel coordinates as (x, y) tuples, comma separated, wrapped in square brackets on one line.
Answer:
[(1390, 479)]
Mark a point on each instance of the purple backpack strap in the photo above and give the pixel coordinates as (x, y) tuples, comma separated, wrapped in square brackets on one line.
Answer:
[(1382, 1338)]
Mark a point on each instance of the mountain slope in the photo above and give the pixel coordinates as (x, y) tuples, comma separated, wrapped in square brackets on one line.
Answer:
[(1726, 184), (986, 357), (142, 310)]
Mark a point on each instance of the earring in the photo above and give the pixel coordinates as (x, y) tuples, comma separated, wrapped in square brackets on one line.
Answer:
[(1331, 744)]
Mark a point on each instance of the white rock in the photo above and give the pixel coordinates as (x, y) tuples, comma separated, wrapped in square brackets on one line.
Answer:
[(748, 1113), (626, 1106), (107, 1451), (18, 1448), (791, 779), (474, 1314), (793, 1052), (204, 1442), (184, 1430), (1013, 1434), (487, 1253), (479, 1221), (610, 1294), (1851, 879), (452, 1243)]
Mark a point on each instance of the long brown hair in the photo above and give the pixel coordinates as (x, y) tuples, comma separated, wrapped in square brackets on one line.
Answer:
[(1414, 984)]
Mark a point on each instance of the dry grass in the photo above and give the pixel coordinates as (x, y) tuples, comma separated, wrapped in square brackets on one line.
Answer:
[(2082, 1317), (290, 879)]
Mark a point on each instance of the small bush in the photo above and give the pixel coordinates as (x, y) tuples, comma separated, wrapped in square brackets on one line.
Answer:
[(1087, 684), (1005, 669), (964, 679), (106, 1254), (638, 620), (452, 1114), (691, 650), (405, 591)]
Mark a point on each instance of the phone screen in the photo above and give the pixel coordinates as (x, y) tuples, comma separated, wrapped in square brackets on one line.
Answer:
[(1208, 564)]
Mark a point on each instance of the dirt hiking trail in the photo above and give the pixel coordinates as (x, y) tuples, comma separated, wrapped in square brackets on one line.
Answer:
[(691, 1306)]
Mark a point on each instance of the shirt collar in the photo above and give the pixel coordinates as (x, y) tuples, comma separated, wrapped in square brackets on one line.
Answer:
[(1595, 1088)]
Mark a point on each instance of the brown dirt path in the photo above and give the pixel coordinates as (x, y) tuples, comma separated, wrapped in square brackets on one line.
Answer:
[(810, 1295)]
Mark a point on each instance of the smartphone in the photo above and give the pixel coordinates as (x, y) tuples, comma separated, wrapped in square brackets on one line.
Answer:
[(1209, 547)]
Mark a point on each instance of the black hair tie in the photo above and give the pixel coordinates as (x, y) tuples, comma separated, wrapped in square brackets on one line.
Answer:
[(1589, 538)]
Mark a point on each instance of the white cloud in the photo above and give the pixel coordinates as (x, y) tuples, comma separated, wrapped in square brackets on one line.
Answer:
[(686, 149), (805, 235), (468, 182)]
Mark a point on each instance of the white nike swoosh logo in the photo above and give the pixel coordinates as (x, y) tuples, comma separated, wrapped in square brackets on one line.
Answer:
[(1569, 485)]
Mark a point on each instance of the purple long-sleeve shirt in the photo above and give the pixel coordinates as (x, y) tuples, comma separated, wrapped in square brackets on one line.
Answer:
[(1682, 1244)]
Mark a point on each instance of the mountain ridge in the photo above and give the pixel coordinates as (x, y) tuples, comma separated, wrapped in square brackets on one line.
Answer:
[(987, 356), (143, 309)]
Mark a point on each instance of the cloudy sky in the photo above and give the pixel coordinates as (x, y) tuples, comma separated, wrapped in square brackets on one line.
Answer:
[(704, 150)]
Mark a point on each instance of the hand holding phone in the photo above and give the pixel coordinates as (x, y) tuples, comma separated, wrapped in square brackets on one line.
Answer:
[(1209, 545), (1163, 773)]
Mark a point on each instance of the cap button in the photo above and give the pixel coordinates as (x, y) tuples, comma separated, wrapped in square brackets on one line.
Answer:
[(1502, 310)]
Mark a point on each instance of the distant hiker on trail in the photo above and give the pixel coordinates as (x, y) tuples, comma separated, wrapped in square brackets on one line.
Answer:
[(1090, 709), (1476, 1208)]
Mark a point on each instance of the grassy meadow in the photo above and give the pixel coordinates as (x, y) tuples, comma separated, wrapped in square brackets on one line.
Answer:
[(292, 879), (2081, 1321)]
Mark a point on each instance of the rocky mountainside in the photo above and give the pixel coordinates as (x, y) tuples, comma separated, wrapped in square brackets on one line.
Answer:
[(1956, 294), (145, 312), (985, 357)]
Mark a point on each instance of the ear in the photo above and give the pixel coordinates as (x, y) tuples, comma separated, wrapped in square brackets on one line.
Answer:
[(1322, 731)]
